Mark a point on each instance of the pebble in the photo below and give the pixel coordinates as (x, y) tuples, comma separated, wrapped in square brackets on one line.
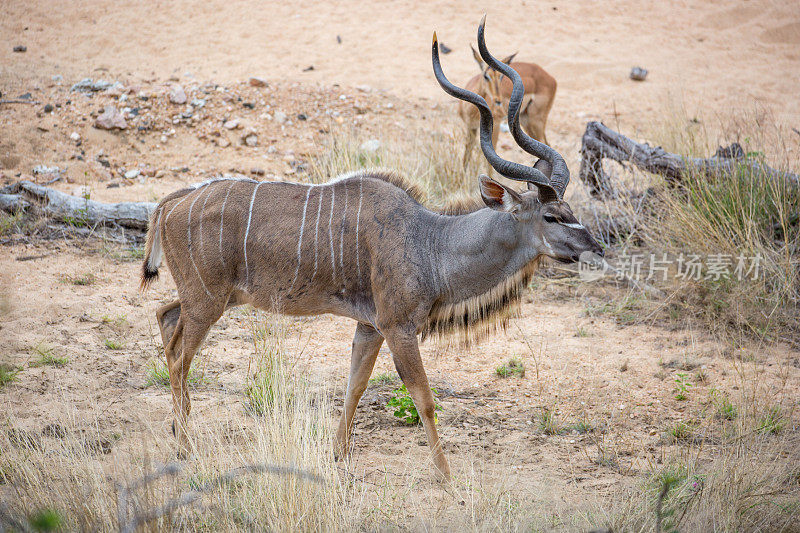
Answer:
[(371, 145), (75, 137), (224, 143), (258, 82), (251, 140), (198, 102), (20, 48), (48, 108), (231, 124), (87, 85), (638, 73), (160, 174), (110, 119), (177, 95), (280, 117), (131, 174), (364, 88)]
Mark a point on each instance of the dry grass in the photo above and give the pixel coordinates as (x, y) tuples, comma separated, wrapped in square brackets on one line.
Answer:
[(432, 161), (734, 218)]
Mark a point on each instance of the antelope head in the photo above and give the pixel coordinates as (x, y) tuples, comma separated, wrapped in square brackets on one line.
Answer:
[(490, 80), (544, 221)]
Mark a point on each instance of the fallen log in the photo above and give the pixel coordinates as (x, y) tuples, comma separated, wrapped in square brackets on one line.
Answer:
[(600, 141), (26, 196)]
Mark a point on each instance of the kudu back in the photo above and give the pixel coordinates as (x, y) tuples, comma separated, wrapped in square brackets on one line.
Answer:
[(360, 246)]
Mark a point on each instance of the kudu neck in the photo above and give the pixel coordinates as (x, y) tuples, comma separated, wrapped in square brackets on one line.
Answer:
[(473, 253)]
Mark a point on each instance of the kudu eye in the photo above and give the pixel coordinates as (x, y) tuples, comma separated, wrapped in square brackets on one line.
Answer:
[(550, 219)]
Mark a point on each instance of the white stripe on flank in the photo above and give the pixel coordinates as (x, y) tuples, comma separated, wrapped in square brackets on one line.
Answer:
[(341, 236), (166, 219), (316, 233), (247, 234), (200, 226), (189, 243), (330, 235), (221, 226), (358, 220), (300, 240), (573, 225)]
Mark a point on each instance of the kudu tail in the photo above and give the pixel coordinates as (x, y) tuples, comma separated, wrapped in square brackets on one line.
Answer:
[(153, 253)]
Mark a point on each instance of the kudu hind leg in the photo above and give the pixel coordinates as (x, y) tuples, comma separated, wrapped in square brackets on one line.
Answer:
[(408, 362), (186, 340), (366, 345)]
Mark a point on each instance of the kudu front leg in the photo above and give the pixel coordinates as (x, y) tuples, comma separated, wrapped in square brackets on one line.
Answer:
[(408, 362), (366, 345)]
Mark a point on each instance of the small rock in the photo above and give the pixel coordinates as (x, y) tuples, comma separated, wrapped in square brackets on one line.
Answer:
[(177, 95), (302, 116), (58, 78), (310, 67), (257, 171), (280, 117), (44, 169), (131, 174), (198, 102), (160, 174), (87, 85), (75, 137), (371, 145), (248, 105), (638, 73), (231, 124), (110, 119), (48, 108), (19, 48), (258, 82), (364, 88), (251, 140), (223, 142)]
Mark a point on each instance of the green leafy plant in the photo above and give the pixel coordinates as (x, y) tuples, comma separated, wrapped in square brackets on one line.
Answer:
[(404, 407), (682, 386), (113, 345), (47, 357), (513, 367), (8, 373)]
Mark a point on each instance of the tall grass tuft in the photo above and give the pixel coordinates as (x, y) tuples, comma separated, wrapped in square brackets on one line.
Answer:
[(744, 215)]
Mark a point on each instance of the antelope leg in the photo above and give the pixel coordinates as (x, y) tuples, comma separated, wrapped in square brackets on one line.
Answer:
[(407, 361)]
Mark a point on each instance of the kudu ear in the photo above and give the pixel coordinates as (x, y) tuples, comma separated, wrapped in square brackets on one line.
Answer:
[(510, 58), (498, 196), (545, 167), (477, 57)]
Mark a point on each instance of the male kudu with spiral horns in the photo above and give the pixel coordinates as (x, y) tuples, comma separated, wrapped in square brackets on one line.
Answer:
[(362, 246)]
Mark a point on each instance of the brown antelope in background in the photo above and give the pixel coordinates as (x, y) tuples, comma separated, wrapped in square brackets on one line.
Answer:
[(362, 246), (496, 90)]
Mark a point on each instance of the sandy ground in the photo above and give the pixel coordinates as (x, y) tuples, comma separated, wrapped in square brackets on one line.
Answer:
[(710, 57)]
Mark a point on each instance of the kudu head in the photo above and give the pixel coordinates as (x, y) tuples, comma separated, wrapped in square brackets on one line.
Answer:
[(489, 84), (543, 219)]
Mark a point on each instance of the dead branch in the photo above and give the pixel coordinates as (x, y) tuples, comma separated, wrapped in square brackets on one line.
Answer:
[(26, 196), (600, 142), (128, 525)]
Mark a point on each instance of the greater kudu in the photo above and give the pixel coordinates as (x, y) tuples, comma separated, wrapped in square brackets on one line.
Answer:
[(361, 246)]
